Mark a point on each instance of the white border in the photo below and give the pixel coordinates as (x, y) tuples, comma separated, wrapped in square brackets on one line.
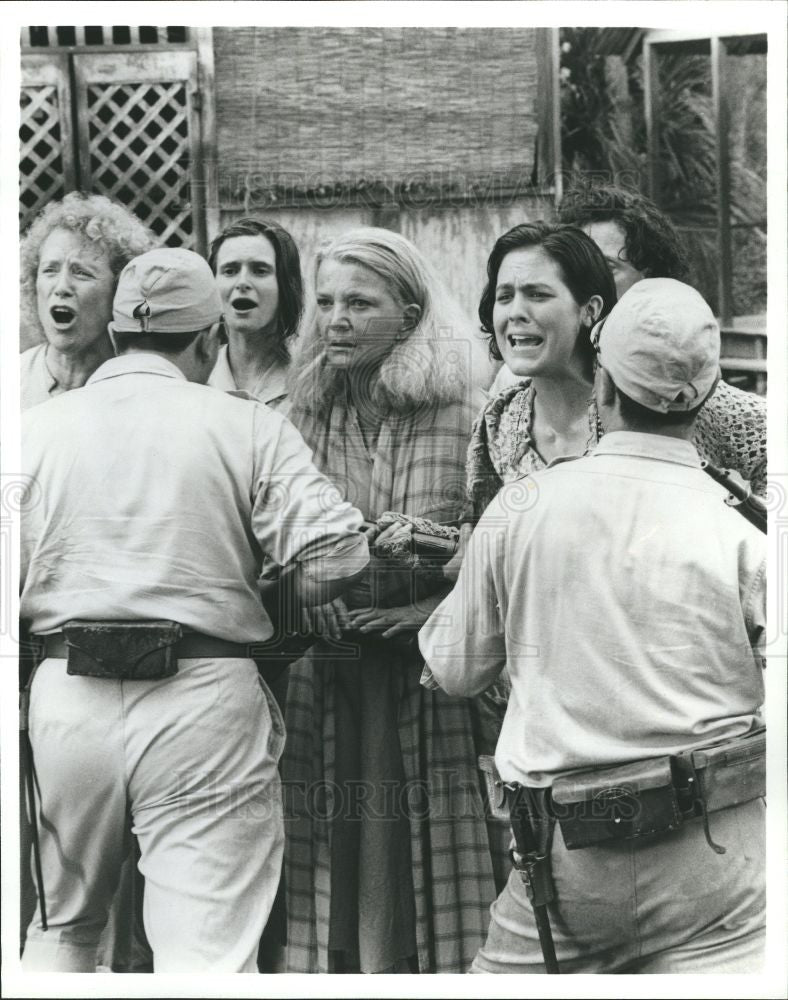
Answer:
[(757, 15)]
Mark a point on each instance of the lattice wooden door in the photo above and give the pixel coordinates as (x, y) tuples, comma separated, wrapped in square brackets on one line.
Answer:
[(139, 138), (46, 158)]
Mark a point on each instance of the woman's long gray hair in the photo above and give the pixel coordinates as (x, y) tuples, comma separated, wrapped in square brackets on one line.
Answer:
[(433, 364)]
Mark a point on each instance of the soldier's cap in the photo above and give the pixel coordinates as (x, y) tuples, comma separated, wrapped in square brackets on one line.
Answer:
[(169, 290), (661, 345)]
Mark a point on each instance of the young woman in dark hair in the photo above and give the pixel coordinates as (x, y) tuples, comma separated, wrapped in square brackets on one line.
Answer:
[(546, 288), (637, 241), (258, 274)]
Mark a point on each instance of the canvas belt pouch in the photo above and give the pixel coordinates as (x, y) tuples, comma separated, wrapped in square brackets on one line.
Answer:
[(656, 795), (494, 786), (727, 774), (632, 800), (122, 650)]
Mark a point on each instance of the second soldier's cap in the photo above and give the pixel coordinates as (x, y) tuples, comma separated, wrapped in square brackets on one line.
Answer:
[(169, 290), (661, 345)]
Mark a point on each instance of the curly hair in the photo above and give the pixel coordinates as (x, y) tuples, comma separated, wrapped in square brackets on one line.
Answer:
[(584, 269), (121, 235), (288, 274), (651, 242)]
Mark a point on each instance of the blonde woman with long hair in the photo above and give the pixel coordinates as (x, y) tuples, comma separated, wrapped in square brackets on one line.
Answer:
[(388, 865)]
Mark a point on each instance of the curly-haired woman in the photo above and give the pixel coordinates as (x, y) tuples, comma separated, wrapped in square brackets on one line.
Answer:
[(70, 260)]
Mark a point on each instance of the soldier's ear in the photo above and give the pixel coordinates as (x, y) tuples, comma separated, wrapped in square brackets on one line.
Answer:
[(605, 388), (208, 342), (112, 340), (214, 334)]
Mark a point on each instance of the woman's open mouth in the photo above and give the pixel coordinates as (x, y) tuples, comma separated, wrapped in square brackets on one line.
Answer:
[(524, 340), (62, 315), (242, 304)]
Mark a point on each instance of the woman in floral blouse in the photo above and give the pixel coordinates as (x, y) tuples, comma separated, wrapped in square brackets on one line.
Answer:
[(547, 286)]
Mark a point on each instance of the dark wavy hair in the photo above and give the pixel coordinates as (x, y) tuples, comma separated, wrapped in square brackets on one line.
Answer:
[(651, 242), (288, 274), (583, 268)]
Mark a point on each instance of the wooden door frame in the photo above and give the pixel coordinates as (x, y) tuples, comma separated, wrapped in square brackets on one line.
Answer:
[(205, 162), (48, 70)]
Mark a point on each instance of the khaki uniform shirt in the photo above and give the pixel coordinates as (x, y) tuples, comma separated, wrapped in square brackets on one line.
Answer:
[(159, 498), (624, 598)]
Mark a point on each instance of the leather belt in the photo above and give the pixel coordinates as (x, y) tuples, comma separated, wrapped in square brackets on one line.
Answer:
[(190, 646)]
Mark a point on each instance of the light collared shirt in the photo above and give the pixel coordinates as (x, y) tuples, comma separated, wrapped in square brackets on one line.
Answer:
[(37, 383), (270, 388), (159, 498), (624, 597)]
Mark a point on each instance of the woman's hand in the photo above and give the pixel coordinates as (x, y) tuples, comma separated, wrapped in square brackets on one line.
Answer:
[(452, 568), (379, 539), (391, 622), (326, 621), (395, 532)]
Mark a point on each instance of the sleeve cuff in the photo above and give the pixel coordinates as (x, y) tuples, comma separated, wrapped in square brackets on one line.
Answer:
[(427, 680), (335, 559)]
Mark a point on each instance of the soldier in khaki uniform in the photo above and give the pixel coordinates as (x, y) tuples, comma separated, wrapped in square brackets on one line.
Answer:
[(160, 499), (628, 604)]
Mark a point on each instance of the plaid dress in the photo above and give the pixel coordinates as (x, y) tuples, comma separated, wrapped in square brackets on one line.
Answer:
[(417, 469)]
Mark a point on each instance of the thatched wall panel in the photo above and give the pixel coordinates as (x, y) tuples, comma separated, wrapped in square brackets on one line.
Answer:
[(348, 103)]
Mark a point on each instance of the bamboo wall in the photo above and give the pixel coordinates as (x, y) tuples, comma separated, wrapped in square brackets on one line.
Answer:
[(431, 132), (349, 103)]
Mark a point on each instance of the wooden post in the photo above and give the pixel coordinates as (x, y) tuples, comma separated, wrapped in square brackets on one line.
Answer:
[(548, 153), (719, 84), (651, 108), (210, 158)]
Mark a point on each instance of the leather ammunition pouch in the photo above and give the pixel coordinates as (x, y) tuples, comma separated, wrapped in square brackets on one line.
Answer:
[(122, 650), (649, 797), (495, 789), (726, 774), (657, 795), (634, 800)]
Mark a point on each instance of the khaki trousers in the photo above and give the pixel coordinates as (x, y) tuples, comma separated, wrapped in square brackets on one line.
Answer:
[(193, 758), (664, 904)]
